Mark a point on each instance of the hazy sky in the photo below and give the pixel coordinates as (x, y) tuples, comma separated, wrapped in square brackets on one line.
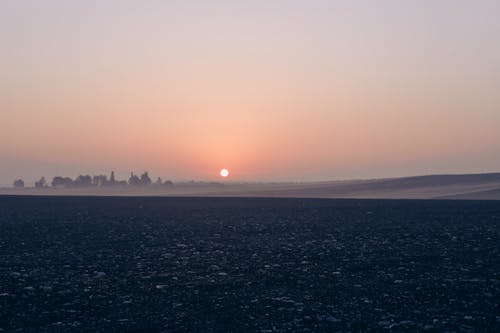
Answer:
[(272, 90)]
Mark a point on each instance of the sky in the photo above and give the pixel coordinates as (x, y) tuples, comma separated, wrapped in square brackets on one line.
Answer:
[(273, 90)]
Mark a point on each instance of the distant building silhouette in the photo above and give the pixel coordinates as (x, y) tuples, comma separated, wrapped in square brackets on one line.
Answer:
[(99, 180), (19, 183)]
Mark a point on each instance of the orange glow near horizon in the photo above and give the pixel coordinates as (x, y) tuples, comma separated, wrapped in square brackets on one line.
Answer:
[(284, 90)]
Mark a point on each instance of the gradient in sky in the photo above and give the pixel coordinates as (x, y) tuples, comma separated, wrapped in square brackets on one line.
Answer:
[(272, 90)]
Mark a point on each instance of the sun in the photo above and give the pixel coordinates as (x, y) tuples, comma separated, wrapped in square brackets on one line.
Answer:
[(224, 173)]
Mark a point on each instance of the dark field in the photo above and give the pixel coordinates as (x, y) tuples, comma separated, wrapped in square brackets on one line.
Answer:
[(248, 265)]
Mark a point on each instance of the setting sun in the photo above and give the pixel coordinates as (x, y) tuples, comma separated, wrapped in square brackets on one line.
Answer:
[(224, 173)]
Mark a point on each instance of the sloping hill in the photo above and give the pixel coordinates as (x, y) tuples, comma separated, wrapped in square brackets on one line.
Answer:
[(465, 186), (420, 187)]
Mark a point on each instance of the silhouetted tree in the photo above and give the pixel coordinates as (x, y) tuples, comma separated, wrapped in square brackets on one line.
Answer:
[(19, 183), (158, 181), (145, 180), (41, 183), (61, 181), (168, 183), (134, 180), (81, 181)]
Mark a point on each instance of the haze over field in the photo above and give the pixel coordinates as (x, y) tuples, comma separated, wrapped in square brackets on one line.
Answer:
[(272, 90), (250, 165), (470, 186)]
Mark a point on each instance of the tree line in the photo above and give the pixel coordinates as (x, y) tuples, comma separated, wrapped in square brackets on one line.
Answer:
[(96, 181)]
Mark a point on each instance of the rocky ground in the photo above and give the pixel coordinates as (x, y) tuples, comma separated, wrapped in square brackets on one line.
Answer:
[(248, 265)]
